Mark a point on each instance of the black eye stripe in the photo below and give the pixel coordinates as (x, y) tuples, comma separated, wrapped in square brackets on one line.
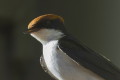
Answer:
[(47, 24)]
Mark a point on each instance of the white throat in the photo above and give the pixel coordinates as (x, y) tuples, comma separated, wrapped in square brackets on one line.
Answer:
[(46, 35)]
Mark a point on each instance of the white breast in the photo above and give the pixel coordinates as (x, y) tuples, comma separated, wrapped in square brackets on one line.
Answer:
[(63, 67)]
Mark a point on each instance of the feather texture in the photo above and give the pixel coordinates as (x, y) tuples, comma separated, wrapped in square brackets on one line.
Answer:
[(89, 59)]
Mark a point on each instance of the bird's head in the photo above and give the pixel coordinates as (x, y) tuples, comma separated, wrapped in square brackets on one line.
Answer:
[(47, 27)]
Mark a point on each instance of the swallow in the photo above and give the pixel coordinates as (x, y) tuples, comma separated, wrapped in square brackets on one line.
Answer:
[(64, 57)]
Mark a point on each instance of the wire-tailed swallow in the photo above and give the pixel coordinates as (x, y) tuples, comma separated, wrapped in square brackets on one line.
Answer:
[(64, 58)]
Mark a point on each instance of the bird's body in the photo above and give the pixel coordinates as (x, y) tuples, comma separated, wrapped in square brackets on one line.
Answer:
[(63, 67), (66, 59), (58, 63)]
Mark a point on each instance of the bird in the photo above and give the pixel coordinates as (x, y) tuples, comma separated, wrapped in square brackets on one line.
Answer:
[(64, 57)]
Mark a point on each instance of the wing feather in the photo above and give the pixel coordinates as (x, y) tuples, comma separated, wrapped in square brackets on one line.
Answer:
[(89, 59)]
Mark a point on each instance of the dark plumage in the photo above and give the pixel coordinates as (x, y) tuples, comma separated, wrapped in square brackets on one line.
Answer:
[(89, 59)]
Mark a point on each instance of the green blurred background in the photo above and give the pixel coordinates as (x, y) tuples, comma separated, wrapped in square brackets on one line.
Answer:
[(96, 23)]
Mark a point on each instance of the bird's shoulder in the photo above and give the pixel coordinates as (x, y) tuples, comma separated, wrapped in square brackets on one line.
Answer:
[(88, 58)]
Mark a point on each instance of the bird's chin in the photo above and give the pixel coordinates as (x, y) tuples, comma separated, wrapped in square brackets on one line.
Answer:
[(38, 37), (47, 35)]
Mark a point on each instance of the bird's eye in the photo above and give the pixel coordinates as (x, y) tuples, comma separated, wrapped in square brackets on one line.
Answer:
[(48, 22)]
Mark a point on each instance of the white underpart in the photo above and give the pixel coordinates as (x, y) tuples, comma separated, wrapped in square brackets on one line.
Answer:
[(46, 35), (61, 65)]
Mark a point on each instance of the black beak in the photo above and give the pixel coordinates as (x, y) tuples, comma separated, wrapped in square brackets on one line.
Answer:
[(27, 32), (31, 30)]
